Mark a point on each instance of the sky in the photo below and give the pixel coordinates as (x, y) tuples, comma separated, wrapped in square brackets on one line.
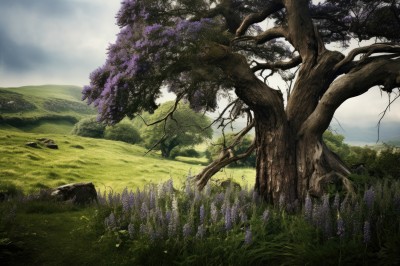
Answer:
[(62, 41)]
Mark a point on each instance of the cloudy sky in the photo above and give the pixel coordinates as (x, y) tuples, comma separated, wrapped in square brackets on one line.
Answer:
[(62, 41)]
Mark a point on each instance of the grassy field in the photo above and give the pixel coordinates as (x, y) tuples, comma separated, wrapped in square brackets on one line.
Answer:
[(48, 233), (103, 162)]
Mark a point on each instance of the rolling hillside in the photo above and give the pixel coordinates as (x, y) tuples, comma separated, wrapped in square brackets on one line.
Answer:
[(106, 163), (42, 109)]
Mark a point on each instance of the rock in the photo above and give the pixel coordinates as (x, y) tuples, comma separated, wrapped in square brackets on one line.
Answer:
[(32, 144), (79, 193), (49, 143), (52, 146)]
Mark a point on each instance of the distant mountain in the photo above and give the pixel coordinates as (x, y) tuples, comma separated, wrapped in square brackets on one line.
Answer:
[(36, 108), (388, 133)]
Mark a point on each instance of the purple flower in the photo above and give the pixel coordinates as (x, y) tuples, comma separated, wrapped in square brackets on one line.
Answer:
[(131, 230), (256, 197), (234, 213), (110, 221), (369, 196), (336, 201), (326, 215), (151, 29), (201, 214), (143, 230), (243, 217), (144, 211), (214, 213), (340, 227), (248, 238), (265, 216), (200, 232), (228, 220), (308, 207), (367, 232), (186, 230)]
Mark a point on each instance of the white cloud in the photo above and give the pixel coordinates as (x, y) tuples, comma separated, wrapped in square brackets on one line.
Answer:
[(66, 40)]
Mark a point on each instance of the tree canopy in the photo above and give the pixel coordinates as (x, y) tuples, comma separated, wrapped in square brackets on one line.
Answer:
[(184, 128), (203, 50)]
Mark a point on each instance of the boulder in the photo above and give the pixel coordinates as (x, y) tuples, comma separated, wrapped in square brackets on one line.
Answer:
[(79, 193), (32, 144), (49, 143), (52, 146)]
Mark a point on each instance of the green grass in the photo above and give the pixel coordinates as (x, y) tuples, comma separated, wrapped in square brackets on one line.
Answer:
[(105, 163), (42, 109), (47, 233)]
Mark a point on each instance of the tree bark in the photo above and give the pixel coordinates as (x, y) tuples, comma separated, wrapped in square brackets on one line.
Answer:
[(276, 161)]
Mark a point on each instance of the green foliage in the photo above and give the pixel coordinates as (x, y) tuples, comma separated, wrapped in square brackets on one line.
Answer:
[(62, 105), (12, 102), (387, 164), (184, 128), (383, 162), (187, 152), (89, 127), (9, 190), (336, 144), (125, 132), (222, 142)]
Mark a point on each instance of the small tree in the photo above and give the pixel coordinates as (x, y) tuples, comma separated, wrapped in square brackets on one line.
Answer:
[(184, 128), (125, 132), (89, 127)]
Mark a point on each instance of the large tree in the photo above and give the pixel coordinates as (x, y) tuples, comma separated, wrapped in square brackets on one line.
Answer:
[(204, 49)]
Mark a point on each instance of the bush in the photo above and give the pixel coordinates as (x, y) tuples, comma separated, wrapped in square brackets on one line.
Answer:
[(89, 127), (9, 190), (122, 132), (185, 153)]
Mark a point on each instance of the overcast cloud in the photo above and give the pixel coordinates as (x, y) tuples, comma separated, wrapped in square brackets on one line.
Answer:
[(62, 41)]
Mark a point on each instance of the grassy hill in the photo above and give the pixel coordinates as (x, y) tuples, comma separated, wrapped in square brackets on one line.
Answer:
[(105, 163), (42, 109)]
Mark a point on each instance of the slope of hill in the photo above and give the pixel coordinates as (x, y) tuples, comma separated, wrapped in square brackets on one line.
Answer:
[(106, 163), (39, 108)]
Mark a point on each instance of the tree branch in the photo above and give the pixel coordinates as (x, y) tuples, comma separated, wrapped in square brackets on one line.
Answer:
[(226, 157), (380, 71), (258, 17), (367, 50), (283, 65), (169, 114), (270, 34)]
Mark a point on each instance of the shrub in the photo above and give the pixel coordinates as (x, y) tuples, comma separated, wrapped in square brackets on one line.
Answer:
[(122, 132), (89, 127), (185, 153)]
